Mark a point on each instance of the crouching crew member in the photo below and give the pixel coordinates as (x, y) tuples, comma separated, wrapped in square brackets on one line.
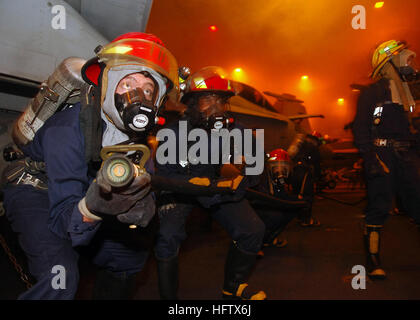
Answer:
[(206, 97)]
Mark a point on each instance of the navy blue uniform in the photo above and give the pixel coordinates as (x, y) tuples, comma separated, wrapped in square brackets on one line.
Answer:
[(381, 130), (275, 219), (235, 215), (48, 222)]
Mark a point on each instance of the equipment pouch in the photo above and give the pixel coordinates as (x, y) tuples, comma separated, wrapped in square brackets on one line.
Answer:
[(25, 172)]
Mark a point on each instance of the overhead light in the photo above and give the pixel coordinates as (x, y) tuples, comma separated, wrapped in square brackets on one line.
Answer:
[(340, 101), (379, 4), (238, 74), (305, 84), (213, 28)]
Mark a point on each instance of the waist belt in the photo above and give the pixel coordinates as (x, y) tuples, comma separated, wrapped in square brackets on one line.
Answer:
[(25, 172), (28, 179), (397, 144)]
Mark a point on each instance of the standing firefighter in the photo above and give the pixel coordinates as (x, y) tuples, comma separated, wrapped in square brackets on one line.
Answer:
[(207, 97), (52, 199), (386, 140)]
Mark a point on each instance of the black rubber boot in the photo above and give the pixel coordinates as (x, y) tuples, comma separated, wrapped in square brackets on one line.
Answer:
[(237, 268), (372, 247), (168, 278), (109, 286)]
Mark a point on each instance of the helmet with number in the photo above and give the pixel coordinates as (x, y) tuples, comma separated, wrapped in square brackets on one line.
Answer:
[(206, 96), (278, 164), (384, 53), (209, 80), (133, 52)]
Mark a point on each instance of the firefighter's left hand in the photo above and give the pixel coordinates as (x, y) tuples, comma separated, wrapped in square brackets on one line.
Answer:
[(230, 183), (141, 213)]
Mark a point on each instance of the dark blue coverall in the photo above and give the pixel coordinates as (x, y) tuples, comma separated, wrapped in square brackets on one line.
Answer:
[(235, 215), (388, 138), (275, 219), (48, 222)]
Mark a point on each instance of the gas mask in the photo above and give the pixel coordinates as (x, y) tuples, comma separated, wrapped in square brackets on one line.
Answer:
[(212, 110), (137, 113), (279, 172), (279, 169), (400, 71), (218, 121), (406, 64), (408, 73)]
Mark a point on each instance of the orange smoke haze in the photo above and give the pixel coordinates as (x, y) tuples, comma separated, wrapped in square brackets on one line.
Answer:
[(276, 42)]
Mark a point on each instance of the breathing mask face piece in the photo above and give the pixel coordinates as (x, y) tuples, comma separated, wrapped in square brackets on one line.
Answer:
[(279, 169), (138, 113), (407, 65), (213, 110)]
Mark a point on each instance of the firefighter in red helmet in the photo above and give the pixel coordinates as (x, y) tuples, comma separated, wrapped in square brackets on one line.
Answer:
[(278, 166), (65, 207), (206, 97), (275, 182)]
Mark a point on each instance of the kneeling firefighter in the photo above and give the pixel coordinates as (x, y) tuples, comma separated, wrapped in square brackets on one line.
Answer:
[(386, 139), (52, 198), (206, 97), (275, 182)]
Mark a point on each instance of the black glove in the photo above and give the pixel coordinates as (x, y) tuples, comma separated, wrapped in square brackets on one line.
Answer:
[(238, 185), (101, 199), (372, 165), (141, 213)]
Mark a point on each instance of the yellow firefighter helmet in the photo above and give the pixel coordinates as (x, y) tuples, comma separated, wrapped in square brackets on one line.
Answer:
[(383, 53)]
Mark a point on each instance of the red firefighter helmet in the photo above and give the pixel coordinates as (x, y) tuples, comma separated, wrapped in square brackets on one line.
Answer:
[(316, 134), (278, 163), (279, 155), (209, 79), (140, 49)]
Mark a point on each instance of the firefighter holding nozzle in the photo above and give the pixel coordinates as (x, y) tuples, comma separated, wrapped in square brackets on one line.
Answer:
[(386, 138), (56, 199)]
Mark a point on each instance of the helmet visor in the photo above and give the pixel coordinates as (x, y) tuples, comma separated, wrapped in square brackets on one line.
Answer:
[(212, 104), (279, 169), (145, 53)]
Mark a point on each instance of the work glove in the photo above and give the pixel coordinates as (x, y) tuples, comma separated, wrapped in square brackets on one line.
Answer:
[(233, 177), (101, 199), (238, 186), (141, 213), (200, 181)]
